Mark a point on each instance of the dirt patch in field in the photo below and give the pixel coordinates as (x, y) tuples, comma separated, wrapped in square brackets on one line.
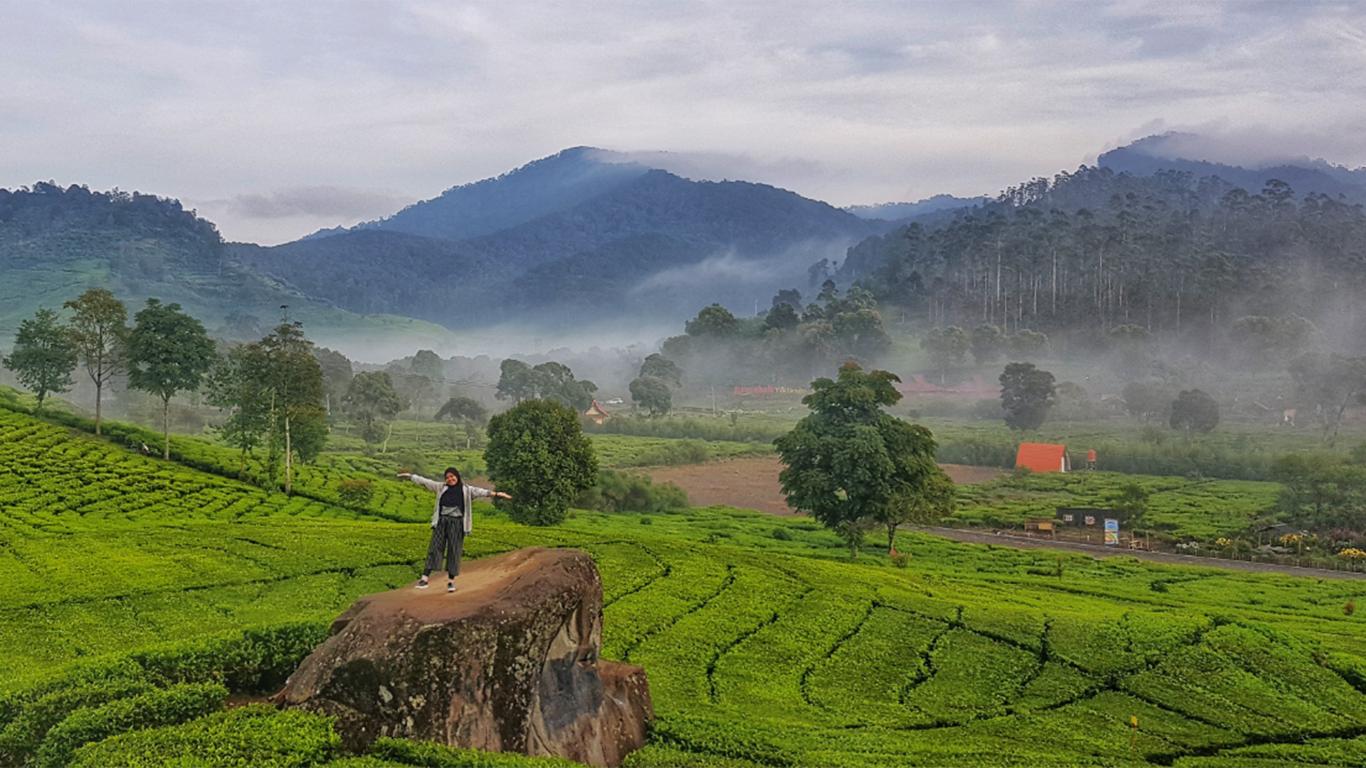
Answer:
[(752, 483)]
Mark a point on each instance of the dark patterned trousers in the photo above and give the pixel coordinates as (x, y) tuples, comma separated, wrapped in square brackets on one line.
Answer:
[(448, 538)]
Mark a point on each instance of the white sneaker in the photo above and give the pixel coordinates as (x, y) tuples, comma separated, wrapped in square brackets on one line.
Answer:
[(450, 586), (422, 583)]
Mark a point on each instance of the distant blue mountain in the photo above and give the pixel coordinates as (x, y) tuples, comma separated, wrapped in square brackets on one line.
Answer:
[(905, 211), (584, 232), (544, 186), (1179, 152)]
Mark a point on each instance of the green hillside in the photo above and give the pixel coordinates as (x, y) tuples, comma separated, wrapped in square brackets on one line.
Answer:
[(57, 242), (136, 593)]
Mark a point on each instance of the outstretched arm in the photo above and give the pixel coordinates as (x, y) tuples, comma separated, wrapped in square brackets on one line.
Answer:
[(430, 485), (479, 493)]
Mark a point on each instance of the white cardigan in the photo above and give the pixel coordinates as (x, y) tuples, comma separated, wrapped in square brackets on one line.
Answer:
[(471, 493)]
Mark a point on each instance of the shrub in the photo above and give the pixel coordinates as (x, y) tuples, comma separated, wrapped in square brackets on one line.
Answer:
[(255, 736), (355, 492), (538, 453), (23, 735), (626, 492), (782, 534), (167, 706), (901, 559)]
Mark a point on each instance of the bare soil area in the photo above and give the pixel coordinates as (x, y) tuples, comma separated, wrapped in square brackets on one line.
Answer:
[(752, 482)]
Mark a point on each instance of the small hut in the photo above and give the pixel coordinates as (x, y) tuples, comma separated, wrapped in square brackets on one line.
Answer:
[(596, 413), (1043, 457)]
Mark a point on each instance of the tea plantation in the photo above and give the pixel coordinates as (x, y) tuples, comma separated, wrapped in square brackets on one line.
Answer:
[(138, 596)]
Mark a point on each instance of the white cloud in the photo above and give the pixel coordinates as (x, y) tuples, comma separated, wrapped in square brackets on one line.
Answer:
[(844, 102)]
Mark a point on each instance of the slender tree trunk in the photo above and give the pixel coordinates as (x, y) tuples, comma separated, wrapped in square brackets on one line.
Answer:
[(891, 538), (99, 387), (288, 459), (166, 428)]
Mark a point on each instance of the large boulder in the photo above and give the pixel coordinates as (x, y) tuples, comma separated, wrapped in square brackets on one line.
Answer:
[(509, 662)]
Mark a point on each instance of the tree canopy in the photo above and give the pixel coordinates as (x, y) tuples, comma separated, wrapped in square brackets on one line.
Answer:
[(1027, 394), (538, 453), (850, 464), (99, 329), (44, 355), (168, 352)]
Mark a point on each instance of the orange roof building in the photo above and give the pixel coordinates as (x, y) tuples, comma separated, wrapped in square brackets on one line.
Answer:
[(596, 413), (1043, 457)]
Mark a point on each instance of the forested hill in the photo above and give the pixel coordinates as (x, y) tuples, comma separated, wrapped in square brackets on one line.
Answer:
[(1182, 152), (55, 242), (1174, 253), (555, 183), (655, 242)]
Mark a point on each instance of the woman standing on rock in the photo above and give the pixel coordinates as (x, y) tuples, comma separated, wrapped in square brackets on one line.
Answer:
[(451, 521)]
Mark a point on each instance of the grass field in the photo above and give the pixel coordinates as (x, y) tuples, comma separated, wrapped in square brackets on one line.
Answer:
[(764, 646)]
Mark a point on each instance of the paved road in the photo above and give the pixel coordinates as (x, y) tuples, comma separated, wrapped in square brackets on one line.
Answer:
[(1098, 550)]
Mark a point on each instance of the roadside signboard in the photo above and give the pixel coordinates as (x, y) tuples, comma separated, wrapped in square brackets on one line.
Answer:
[(1111, 532)]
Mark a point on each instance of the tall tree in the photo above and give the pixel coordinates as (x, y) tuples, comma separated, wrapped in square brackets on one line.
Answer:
[(428, 363), (44, 355), (1194, 411), (1027, 394), (714, 321), (661, 367), (925, 504), (946, 347), (99, 327), (337, 375), (237, 384), (652, 393), (538, 453), (987, 342), (372, 402), (516, 382), (168, 352), (849, 463), (294, 382)]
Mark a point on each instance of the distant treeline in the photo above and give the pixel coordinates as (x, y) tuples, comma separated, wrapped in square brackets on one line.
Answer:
[(1172, 253)]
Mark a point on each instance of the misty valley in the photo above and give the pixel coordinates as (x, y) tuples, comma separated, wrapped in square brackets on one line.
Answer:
[(1074, 474)]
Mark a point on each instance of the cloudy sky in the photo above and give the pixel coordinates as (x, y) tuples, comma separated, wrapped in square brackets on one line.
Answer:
[(276, 118)]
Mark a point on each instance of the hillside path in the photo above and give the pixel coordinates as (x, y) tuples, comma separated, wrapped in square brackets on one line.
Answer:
[(1099, 550)]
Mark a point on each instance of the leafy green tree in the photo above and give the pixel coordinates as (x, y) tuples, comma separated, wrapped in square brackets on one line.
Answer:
[(848, 461), (372, 402), (537, 452), (427, 363), (714, 321), (237, 384), (987, 343), (859, 333), (1027, 344), (44, 355), (790, 296), (99, 328), (1131, 501), (925, 505), (1027, 394), (516, 381), (555, 381), (1328, 385), (294, 383), (1321, 495), (168, 352), (337, 373), (946, 347), (783, 317), (661, 367), (463, 409), (652, 393), (1194, 411)]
